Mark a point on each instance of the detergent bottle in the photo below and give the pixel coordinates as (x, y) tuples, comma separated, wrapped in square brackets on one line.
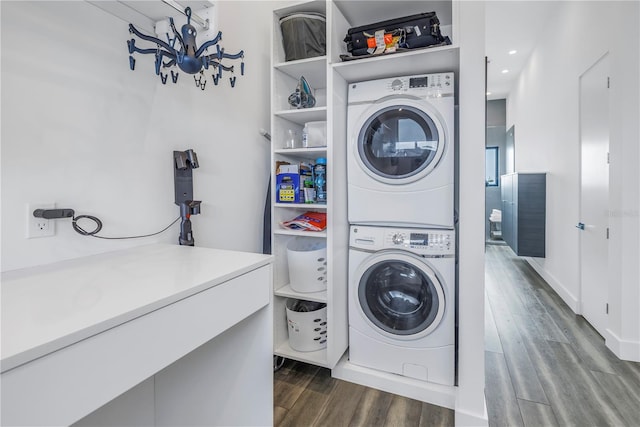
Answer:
[(320, 179)]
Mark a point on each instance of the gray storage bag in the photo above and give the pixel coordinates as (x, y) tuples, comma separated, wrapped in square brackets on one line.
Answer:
[(303, 35)]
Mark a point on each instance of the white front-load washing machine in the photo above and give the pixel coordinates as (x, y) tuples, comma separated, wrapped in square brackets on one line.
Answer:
[(402, 301), (400, 154)]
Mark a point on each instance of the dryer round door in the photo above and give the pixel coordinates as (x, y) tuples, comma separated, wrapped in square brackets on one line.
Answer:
[(399, 141), (399, 295)]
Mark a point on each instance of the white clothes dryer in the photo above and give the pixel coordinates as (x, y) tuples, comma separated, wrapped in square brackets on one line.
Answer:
[(400, 155), (402, 301)]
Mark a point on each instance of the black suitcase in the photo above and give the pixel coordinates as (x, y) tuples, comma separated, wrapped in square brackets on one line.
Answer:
[(409, 32)]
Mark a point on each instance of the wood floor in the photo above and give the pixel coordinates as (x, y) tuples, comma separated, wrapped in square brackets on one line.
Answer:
[(544, 365), (306, 396)]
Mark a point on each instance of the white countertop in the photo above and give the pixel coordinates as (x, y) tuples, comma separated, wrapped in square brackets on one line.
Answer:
[(50, 307)]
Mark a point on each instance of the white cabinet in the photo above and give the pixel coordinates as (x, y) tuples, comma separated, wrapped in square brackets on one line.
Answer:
[(142, 336), (329, 76)]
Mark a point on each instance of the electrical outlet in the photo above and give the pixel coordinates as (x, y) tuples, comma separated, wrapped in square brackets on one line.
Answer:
[(39, 227)]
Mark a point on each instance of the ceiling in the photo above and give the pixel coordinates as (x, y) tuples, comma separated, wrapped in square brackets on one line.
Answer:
[(510, 25)]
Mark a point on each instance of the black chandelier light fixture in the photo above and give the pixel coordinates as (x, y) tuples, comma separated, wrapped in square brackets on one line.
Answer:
[(181, 52)]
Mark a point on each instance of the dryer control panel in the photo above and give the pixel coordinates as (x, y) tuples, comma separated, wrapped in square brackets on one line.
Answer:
[(420, 85), (434, 242), (426, 83)]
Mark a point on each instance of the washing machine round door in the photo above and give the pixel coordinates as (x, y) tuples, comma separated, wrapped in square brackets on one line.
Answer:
[(400, 142), (400, 296)]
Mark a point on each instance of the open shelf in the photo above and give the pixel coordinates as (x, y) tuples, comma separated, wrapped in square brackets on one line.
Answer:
[(320, 206), (287, 292), (318, 358), (302, 151), (286, 232), (314, 69), (432, 60), (303, 115)]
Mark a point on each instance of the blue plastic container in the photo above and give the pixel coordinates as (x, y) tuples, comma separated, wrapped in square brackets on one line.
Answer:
[(320, 179)]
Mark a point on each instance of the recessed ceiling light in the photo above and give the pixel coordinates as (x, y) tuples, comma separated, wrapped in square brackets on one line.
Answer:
[(505, 71), (513, 52), (488, 93)]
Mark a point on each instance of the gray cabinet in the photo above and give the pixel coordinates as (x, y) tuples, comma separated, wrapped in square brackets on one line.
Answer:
[(524, 212)]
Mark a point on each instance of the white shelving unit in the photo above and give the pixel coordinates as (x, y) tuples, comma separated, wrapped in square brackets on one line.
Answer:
[(329, 76), (284, 79)]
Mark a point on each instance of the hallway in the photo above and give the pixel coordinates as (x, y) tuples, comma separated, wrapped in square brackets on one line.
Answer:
[(545, 366)]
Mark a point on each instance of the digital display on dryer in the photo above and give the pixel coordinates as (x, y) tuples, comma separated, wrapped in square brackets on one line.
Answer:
[(419, 239), (418, 82)]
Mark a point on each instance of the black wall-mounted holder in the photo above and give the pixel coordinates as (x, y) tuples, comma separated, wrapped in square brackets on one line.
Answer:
[(184, 162), (53, 213)]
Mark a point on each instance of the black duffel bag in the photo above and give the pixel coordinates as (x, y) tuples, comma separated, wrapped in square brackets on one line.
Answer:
[(409, 32)]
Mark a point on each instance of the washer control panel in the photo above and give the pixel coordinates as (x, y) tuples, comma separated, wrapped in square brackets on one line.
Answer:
[(420, 241)]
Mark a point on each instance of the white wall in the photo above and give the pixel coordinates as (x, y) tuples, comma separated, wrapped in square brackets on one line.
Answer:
[(82, 130), (543, 106), (470, 404)]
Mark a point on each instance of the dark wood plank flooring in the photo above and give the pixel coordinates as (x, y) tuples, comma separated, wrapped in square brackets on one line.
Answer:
[(544, 365), (306, 395), (559, 370)]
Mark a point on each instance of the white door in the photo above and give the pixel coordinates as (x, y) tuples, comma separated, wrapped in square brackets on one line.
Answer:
[(594, 193)]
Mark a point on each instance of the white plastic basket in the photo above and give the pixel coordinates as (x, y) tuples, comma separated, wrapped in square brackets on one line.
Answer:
[(307, 329), (307, 258)]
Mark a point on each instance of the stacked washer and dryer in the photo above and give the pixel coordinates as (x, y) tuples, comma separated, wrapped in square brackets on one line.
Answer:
[(400, 165)]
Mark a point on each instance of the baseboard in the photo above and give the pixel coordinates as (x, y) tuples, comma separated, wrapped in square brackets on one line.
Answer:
[(566, 296), (435, 394), (623, 349), (466, 419)]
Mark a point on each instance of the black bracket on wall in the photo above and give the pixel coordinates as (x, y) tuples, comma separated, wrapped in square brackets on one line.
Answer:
[(184, 162)]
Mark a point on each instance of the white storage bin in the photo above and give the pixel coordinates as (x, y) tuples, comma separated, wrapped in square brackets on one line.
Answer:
[(307, 325), (315, 134), (307, 259)]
